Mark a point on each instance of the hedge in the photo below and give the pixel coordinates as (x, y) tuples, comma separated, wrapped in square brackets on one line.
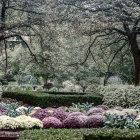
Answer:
[(113, 134), (63, 93), (46, 100), (80, 134)]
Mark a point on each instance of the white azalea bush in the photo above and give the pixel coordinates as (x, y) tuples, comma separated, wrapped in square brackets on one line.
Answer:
[(20, 122)]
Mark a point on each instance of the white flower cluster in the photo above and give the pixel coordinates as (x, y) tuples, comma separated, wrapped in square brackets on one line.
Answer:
[(123, 112), (122, 95), (20, 122)]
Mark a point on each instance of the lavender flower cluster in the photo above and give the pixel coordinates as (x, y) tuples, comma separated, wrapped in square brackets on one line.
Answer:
[(59, 118)]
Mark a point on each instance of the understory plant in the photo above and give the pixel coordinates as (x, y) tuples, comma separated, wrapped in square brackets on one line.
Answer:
[(84, 107), (121, 121)]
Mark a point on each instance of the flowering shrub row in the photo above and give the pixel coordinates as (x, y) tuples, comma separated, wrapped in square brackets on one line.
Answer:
[(20, 122), (21, 117)]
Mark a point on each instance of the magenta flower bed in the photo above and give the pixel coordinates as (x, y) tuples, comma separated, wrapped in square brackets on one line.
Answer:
[(64, 118)]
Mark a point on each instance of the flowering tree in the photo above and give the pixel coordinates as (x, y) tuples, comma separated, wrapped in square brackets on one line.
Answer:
[(110, 22)]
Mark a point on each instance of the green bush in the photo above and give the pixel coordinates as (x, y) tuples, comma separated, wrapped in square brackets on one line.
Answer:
[(29, 88), (81, 134), (43, 99), (113, 134), (65, 93), (120, 95)]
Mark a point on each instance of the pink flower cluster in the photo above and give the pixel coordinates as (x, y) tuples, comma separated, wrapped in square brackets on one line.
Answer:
[(95, 111), (58, 118)]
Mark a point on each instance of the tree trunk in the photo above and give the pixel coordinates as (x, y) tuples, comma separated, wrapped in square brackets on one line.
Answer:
[(44, 79), (136, 56)]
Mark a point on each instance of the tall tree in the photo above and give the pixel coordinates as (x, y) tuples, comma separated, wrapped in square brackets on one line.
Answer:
[(106, 18)]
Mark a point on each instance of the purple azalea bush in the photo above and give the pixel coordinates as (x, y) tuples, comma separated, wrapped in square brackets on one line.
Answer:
[(72, 122), (51, 122), (60, 114), (43, 113), (83, 119), (95, 121), (95, 111), (104, 107), (2, 108), (76, 114)]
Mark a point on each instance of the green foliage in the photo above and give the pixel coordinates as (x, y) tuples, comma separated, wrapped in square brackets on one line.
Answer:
[(122, 122), (29, 88), (84, 107), (120, 95), (11, 109), (16, 89), (27, 111), (113, 134), (53, 89), (43, 99), (65, 93), (81, 134)]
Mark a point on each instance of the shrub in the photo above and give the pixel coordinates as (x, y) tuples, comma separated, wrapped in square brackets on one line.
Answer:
[(94, 111), (29, 88), (43, 113), (2, 108), (20, 122), (76, 114), (51, 122), (42, 99), (83, 119), (51, 134), (121, 121), (124, 112), (53, 89), (125, 95), (95, 121), (138, 120), (118, 108), (60, 114), (104, 107), (80, 134), (112, 134), (84, 107), (72, 122)]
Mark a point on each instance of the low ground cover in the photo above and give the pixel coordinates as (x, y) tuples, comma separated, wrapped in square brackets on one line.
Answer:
[(80, 134)]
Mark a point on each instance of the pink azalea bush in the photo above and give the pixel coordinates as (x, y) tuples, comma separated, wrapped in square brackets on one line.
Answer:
[(72, 122), (51, 122), (76, 114), (1, 113), (60, 114), (104, 107), (94, 111), (95, 121), (2, 108), (43, 113), (83, 119)]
